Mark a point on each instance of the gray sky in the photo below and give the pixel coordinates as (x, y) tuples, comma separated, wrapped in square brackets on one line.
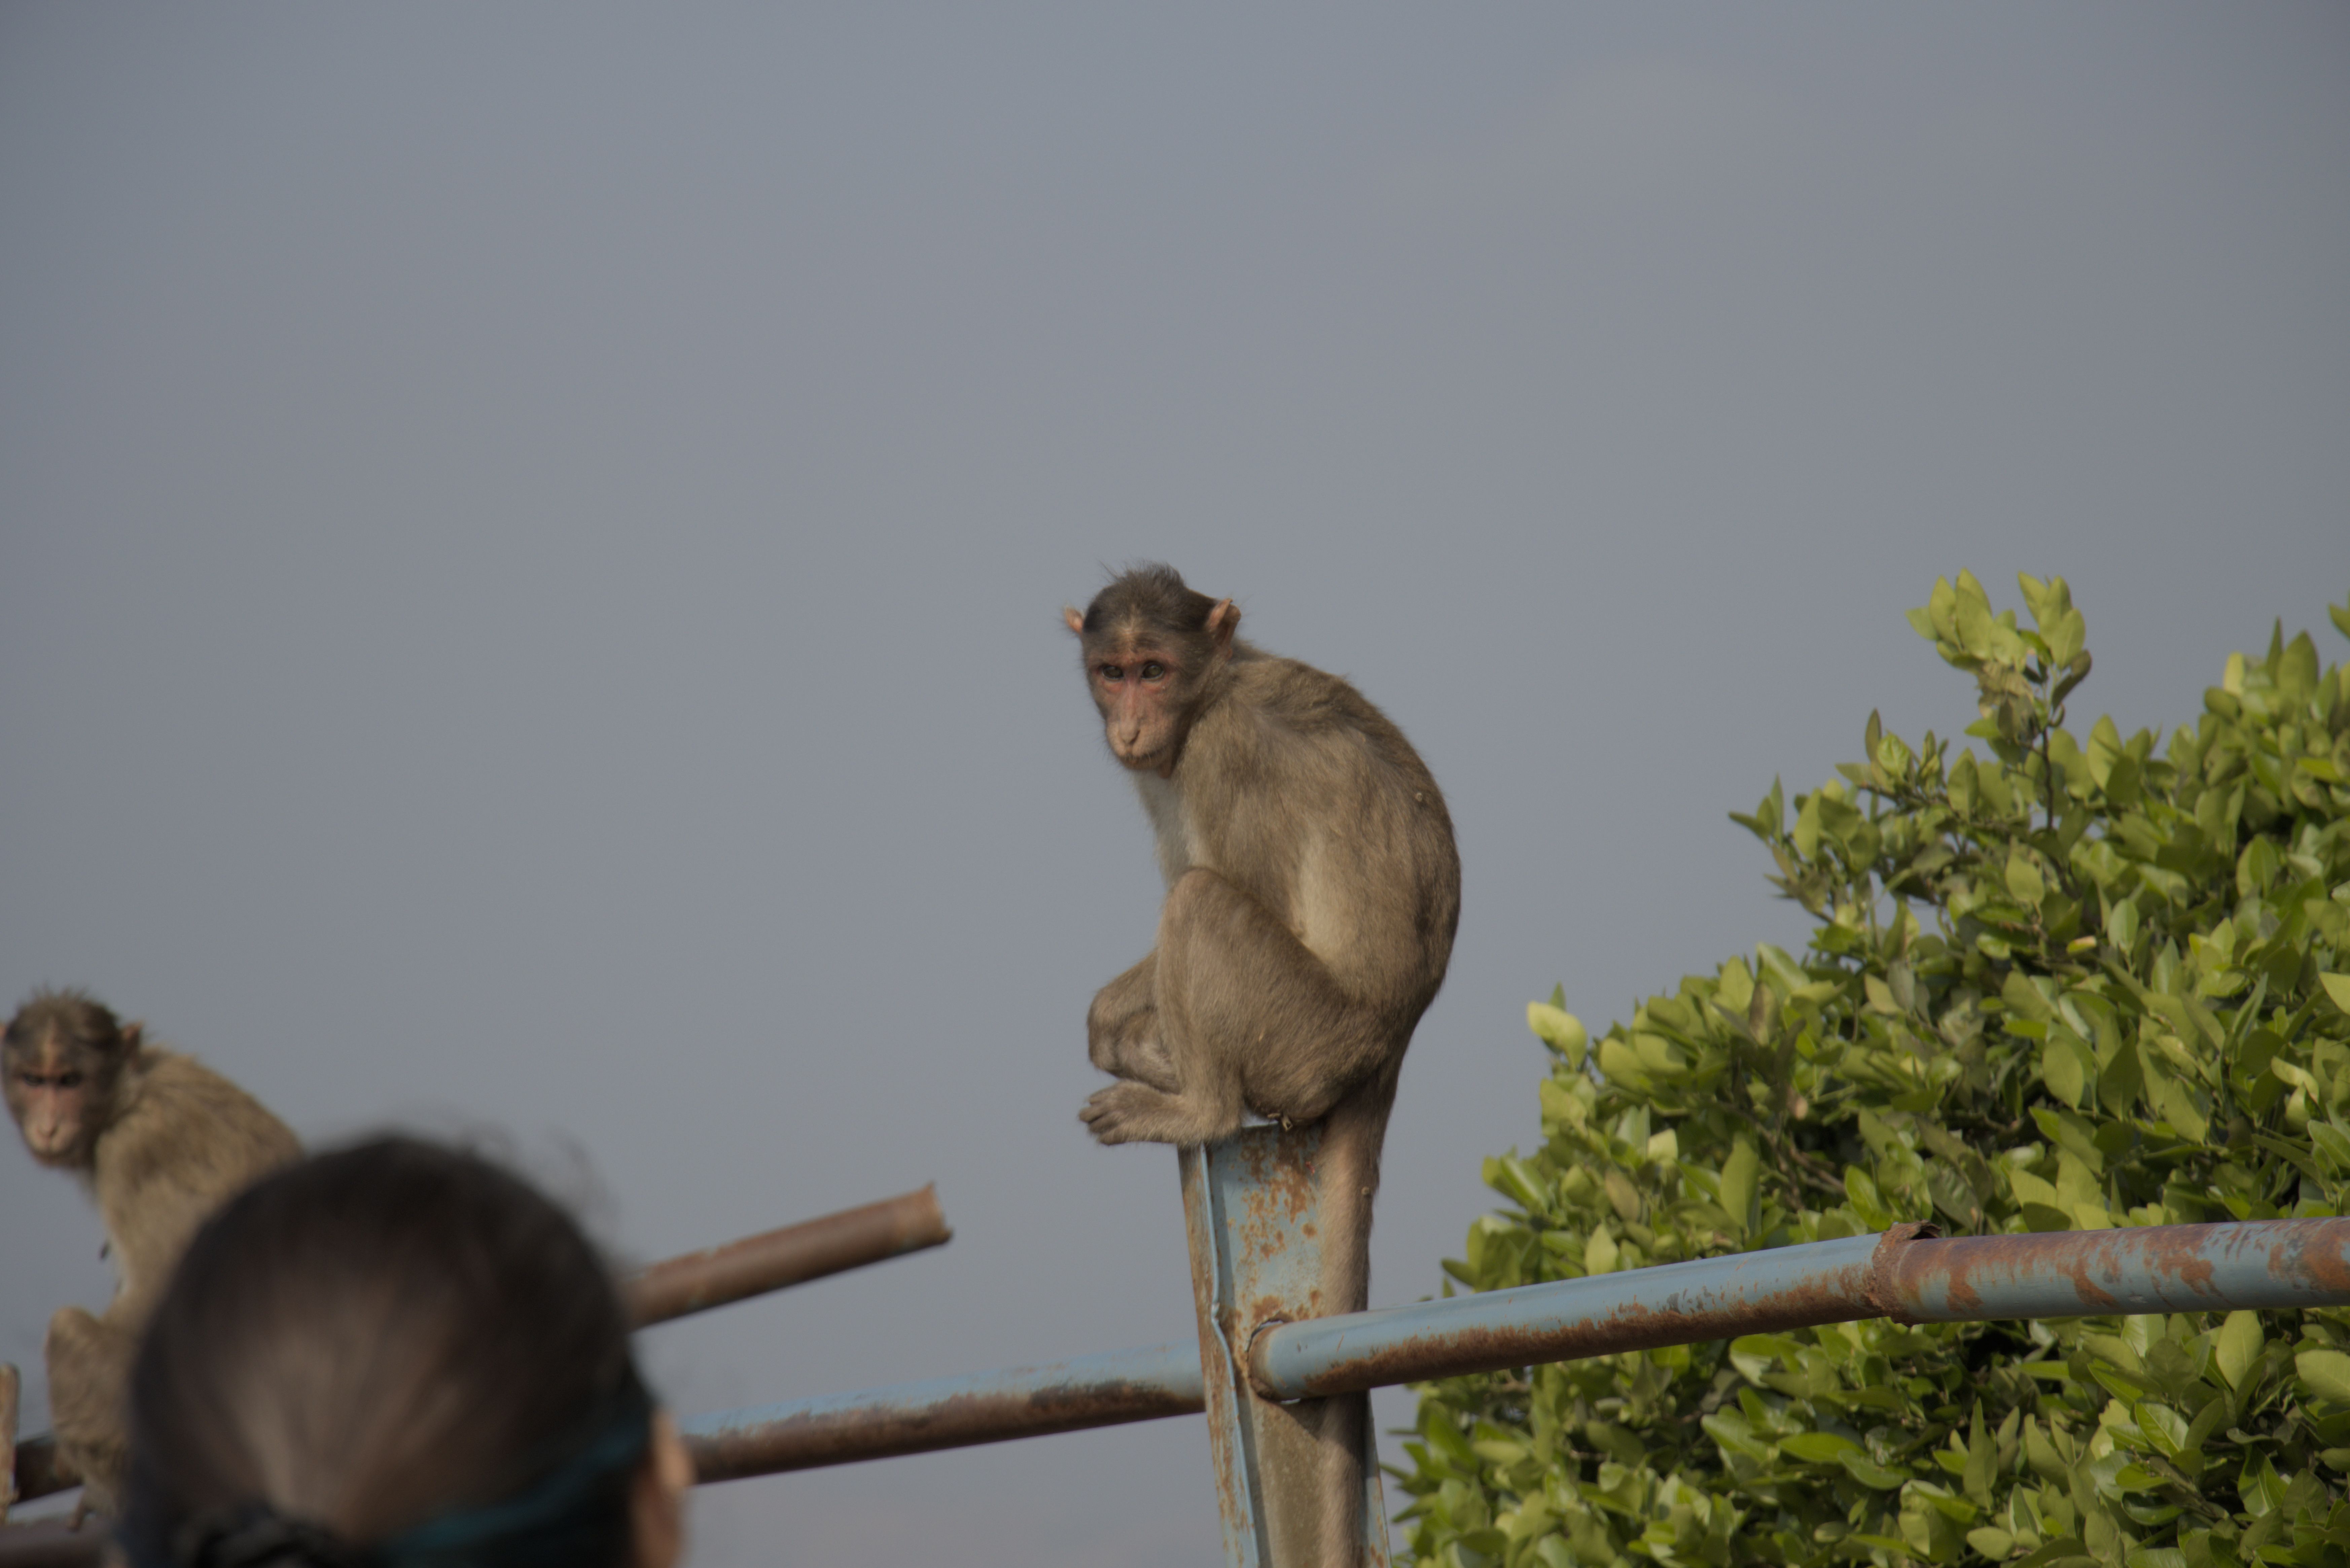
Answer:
[(532, 539)]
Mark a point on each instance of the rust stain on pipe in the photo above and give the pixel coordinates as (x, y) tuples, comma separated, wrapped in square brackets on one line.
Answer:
[(757, 1264), (2155, 1268), (1884, 1288)]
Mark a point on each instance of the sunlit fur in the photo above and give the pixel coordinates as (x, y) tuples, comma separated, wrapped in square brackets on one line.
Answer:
[(1313, 889), (160, 1140)]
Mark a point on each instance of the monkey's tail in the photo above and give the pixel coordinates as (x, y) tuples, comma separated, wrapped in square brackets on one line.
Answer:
[(1351, 1140), (1351, 1137)]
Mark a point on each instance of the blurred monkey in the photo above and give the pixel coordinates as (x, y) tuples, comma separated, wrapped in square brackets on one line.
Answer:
[(161, 1142), (1313, 889)]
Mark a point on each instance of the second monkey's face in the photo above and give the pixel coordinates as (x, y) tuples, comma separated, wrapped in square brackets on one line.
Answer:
[(50, 1093), (1142, 690)]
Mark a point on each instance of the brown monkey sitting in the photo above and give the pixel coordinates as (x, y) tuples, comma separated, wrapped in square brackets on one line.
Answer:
[(161, 1142), (1313, 888)]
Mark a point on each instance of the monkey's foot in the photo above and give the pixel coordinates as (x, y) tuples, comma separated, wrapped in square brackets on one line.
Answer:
[(1136, 1113), (1110, 1113)]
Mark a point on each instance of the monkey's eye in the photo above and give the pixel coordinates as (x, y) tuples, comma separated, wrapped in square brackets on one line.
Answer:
[(1153, 670), (67, 1080), (1113, 672)]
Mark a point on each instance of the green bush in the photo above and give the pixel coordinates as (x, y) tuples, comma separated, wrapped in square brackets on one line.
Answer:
[(2068, 984)]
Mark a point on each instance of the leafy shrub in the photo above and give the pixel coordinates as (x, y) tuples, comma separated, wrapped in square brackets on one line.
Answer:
[(2069, 984)]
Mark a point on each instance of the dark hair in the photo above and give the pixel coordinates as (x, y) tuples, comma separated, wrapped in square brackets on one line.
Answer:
[(1152, 594), (393, 1353)]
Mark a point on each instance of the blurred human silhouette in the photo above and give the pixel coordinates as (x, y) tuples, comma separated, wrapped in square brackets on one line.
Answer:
[(396, 1356)]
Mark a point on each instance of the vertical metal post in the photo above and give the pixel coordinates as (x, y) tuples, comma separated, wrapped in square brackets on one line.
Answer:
[(8, 1391), (1253, 1205)]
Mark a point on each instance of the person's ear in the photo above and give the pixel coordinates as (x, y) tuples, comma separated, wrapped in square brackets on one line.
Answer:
[(657, 1504)]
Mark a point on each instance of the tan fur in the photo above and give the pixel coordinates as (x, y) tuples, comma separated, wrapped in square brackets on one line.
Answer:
[(164, 1141), (1313, 891)]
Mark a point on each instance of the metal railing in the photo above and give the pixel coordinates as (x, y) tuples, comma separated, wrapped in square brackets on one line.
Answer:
[(1264, 1355), (1907, 1273)]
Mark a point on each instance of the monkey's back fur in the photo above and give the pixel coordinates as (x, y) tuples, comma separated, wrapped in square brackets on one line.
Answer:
[(183, 1141), (1323, 813)]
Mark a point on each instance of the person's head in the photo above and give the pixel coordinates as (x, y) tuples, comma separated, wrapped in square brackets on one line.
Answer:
[(400, 1356)]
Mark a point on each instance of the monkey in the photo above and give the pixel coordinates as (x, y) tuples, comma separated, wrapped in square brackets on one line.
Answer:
[(1313, 894), (159, 1142)]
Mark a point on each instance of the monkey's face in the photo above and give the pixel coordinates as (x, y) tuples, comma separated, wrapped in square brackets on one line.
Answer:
[(1141, 691), (51, 1093)]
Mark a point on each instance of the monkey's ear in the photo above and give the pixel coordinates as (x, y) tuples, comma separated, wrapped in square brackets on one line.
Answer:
[(131, 1033), (1076, 622), (1223, 620)]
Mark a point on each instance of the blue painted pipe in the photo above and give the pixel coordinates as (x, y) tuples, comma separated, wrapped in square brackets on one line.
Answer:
[(1907, 1273), (1672, 1303)]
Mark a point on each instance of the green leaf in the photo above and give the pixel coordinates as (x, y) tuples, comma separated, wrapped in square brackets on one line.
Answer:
[(1738, 1173), (2326, 1371), (1992, 1543), (2024, 880), (2338, 990), (1868, 1473), (1818, 1448), (2165, 1426), (1560, 1030), (2237, 1347), (2065, 1068), (1862, 1191)]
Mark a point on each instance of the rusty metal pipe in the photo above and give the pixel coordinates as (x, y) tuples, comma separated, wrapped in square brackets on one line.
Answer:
[(1639, 1309), (1907, 1273), (35, 1467), (811, 1250), (9, 1388), (52, 1543), (1141, 1385), (2260, 1263)]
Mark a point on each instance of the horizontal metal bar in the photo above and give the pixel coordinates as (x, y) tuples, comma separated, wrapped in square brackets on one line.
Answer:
[(811, 1250), (2259, 1263), (52, 1543), (1105, 1390), (1639, 1309), (1906, 1273), (35, 1467)]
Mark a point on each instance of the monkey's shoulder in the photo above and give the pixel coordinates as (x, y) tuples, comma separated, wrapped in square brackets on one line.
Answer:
[(1291, 702), (185, 1125)]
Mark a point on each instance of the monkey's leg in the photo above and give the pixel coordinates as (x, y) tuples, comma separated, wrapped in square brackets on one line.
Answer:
[(89, 1376), (1122, 1029), (1236, 986), (1248, 1017)]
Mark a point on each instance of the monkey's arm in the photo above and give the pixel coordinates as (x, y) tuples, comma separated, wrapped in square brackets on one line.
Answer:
[(187, 1142), (89, 1373), (1122, 1028)]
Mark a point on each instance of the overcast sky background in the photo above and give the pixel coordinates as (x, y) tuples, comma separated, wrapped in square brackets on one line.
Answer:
[(532, 541)]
